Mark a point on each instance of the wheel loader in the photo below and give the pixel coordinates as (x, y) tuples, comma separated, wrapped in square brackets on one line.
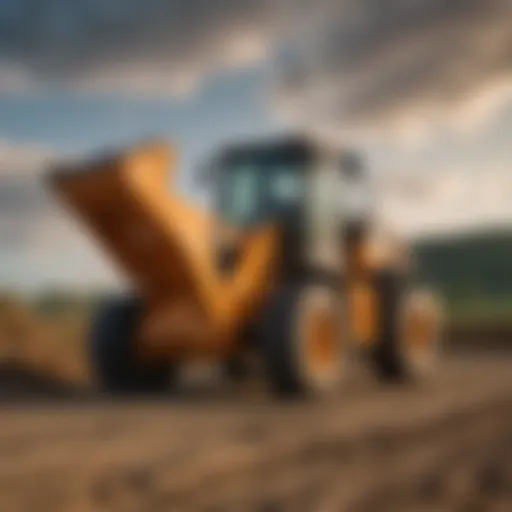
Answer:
[(281, 268)]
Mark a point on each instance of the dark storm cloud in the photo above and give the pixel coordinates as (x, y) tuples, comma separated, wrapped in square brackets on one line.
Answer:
[(346, 61), (135, 44), (380, 61), (349, 60)]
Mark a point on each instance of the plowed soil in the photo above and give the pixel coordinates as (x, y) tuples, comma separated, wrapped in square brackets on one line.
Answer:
[(442, 446)]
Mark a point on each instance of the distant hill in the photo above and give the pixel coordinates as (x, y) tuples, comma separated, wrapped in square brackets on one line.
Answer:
[(473, 271)]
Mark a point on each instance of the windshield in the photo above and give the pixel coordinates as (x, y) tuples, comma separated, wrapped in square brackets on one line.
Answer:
[(255, 188)]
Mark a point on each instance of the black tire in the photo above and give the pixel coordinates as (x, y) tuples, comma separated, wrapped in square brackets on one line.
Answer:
[(241, 366), (391, 357), (113, 353), (283, 356), (237, 369)]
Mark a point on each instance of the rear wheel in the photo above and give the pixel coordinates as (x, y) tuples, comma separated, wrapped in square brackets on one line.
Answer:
[(114, 355), (301, 341), (410, 333), (237, 369)]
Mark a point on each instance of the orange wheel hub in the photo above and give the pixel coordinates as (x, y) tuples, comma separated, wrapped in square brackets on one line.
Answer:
[(321, 340)]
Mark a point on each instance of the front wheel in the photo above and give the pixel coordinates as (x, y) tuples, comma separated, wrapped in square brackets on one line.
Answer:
[(302, 341), (114, 357)]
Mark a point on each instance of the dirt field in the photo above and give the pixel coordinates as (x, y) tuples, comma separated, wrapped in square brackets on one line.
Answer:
[(445, 446)]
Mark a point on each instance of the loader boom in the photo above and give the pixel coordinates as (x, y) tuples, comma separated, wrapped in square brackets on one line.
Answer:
[(162, 243)]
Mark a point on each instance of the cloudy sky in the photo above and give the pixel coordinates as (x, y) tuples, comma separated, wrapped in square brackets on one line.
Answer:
[(424, 87)]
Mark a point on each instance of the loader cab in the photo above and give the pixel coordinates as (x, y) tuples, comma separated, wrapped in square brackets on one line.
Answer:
[(261, 183), (291, 183)]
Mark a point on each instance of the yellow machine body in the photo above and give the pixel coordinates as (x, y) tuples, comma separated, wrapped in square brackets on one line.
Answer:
[(166, 247)]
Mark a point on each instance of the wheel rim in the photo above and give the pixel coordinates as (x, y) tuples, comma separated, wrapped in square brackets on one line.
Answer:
[(421, 329), (319, 333)]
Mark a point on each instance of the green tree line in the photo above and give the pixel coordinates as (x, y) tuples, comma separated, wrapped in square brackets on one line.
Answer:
[(473, 273)]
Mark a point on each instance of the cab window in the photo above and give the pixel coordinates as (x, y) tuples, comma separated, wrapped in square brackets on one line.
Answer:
[(256, 188)]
